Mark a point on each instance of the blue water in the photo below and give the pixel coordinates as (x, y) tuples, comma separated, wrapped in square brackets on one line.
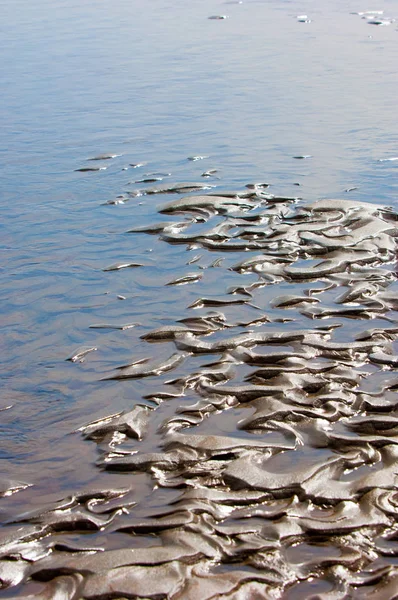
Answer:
[(155, 82)]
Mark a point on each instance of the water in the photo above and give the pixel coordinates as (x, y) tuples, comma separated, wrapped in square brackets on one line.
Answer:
[(155, 83)]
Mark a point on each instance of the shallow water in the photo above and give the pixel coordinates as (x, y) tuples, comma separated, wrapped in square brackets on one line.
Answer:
[(156, 83)]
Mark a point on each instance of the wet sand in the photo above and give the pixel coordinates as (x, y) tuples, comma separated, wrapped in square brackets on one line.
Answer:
[(263, 463)]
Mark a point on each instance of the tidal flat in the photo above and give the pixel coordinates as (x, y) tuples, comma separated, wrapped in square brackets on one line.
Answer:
[(199, 377)]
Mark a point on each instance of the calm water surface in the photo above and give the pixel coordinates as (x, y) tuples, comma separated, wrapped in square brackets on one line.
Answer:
[(154, 82)]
